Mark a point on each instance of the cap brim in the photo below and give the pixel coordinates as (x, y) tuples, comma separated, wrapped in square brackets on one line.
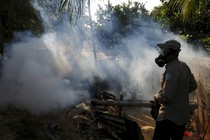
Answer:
[(160, 45)]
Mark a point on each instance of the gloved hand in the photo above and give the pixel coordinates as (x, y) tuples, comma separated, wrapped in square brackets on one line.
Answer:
[(155, 109)]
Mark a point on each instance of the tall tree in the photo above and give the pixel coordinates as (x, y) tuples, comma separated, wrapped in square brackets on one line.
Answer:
[(189, 18), (116, 22), (189, 8), (17, 16)]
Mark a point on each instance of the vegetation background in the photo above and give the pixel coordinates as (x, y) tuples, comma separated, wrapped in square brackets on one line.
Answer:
[(187, 18)]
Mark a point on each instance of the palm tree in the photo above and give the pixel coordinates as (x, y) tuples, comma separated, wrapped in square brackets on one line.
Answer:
[(73, 7), (189, 8)]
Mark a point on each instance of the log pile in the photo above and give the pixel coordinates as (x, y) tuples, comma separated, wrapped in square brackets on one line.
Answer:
[(111, 120), (109, 112), (105, 115)]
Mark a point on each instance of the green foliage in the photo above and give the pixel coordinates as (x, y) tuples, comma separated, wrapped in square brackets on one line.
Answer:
[(160, 15), (126, 13), (189, 9), (17, 16), (189, 18), (206, 41), (122, 20), (123, 15)]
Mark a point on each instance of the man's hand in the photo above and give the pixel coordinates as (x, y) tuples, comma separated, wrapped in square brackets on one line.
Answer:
[(156, 97), (155, 109)]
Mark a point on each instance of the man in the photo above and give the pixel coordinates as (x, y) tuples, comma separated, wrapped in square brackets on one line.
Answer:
[(176, 83)]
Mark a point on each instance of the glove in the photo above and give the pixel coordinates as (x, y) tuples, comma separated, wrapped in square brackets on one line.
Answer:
[(155, 109)]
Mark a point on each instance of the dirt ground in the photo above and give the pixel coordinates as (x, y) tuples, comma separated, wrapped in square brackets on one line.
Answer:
[(21, 125), (65, 124), (145, 121)]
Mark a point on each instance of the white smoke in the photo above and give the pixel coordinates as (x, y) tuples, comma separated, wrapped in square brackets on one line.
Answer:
[(33, 76), (49, 72)]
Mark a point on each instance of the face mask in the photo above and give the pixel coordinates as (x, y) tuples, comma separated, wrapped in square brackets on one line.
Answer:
[(160, 61)]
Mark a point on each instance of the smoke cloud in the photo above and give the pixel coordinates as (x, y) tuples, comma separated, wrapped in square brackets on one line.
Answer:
[(54, 71)]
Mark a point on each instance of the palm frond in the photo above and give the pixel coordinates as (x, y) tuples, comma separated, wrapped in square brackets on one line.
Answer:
[(74, 7), (177, 4), (186, 7), (189, 9)]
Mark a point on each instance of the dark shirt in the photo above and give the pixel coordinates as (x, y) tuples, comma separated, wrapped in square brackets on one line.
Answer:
[(176, 83)]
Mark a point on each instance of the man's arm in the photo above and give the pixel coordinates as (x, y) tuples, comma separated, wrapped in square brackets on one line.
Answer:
[(169, 88)]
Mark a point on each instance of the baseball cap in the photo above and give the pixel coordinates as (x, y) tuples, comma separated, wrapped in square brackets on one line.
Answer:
[(170, 44)]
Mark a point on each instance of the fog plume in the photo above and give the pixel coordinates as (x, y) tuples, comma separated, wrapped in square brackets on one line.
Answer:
[(55, 70)]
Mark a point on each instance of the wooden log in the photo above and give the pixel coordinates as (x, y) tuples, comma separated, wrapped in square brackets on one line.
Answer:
[(142, 103)]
